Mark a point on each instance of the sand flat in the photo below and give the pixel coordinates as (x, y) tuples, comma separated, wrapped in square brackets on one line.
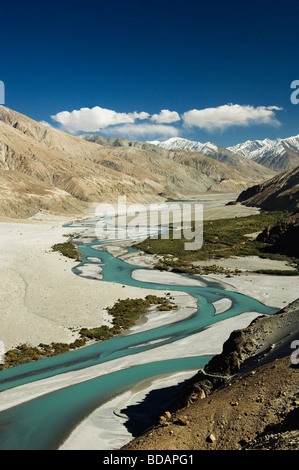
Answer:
[(247, 264), (164, 277), (274, 291), (41, 298)]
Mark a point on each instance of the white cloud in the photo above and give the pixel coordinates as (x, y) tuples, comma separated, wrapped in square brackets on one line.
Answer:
[(94, 119), (140, 116), (166, 116), (133, 131), (141, 124), (229, 115)]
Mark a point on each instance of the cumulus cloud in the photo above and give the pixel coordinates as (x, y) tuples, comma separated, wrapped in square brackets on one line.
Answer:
[(135, 131), (140, 116), (141, 124), (229, 115), (165, 116), (94, 119)]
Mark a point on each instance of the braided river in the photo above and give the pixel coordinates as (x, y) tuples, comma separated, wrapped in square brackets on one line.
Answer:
[(54, 401)]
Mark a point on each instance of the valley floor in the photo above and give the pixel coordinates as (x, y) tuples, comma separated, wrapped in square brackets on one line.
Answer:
[(43, 301)]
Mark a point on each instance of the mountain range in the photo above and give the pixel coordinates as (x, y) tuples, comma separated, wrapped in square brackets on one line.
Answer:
[(277, 155), (42, 168)]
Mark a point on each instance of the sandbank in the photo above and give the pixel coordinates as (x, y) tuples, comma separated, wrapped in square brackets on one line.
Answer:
[(42, 300)]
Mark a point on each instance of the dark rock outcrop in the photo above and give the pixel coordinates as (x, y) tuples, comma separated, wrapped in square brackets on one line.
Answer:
[(265, 339), (283, 236), (246, 398)]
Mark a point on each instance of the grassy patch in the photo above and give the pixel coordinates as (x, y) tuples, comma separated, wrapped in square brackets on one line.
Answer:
[(278, 272), (223, 238), (25, 353), (67, 249), (125, 313)]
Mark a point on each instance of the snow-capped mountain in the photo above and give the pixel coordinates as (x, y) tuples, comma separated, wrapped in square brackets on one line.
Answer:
[(220, 154), (261, 148), (177, 143), (257, 148), (278, 154)]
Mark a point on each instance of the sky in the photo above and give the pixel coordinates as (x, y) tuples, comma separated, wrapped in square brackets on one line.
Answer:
[(218, 71)]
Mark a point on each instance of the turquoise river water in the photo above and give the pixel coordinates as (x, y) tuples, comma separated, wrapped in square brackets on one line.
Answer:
[(46, 421)]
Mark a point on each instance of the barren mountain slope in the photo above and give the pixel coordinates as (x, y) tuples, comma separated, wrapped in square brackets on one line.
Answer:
[(283, 236), (278, 193), (193, 155)]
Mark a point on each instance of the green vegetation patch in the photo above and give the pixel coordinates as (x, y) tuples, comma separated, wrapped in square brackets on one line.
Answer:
[(68, 249), (25, 353), (125, 313), (223, 238)]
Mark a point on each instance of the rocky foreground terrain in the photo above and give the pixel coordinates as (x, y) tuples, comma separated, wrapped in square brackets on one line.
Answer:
[(246, 398)]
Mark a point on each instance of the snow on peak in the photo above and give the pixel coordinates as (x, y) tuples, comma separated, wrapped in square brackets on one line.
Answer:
[(256, 150), (261, 148), (178, 143)]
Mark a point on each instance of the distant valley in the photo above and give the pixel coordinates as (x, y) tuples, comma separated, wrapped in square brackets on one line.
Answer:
[(45, 169)]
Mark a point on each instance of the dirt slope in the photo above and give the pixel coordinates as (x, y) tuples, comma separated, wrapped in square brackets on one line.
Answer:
[(278, 193)]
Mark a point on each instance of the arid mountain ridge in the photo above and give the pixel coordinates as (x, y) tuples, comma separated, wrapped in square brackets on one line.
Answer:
[(279, 193), (42, 168)]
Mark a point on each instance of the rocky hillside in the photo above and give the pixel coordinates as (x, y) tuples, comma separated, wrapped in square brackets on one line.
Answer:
[(245, 398), (278, 193), (218, 153), (210, 175), (42, 168)]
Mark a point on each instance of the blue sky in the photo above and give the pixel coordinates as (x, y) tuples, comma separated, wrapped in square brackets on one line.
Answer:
[(218, 70)]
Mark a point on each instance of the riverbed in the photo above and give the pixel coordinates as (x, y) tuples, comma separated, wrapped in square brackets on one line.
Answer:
[(84, 399)]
